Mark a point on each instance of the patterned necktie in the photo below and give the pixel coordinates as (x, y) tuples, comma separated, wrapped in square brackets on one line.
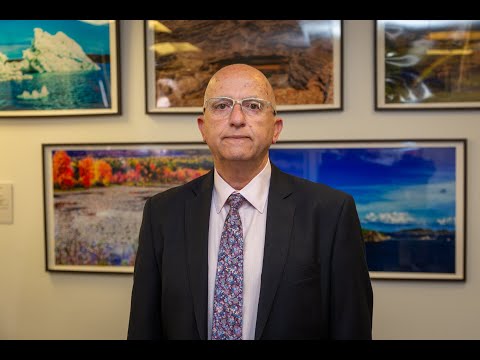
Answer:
[(228, 293)]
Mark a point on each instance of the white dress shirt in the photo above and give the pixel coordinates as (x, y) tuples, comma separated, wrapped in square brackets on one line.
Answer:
[(253, 214)]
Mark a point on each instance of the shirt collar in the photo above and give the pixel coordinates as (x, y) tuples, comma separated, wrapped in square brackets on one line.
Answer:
[(255, 192)]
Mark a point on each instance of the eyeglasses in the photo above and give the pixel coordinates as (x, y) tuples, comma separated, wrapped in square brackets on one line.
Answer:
[(222, 107)]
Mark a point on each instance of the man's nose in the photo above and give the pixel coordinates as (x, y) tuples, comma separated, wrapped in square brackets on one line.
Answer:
[(237, 117)]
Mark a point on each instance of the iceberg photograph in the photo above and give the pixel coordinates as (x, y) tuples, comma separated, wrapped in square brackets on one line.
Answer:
[(58, 67)]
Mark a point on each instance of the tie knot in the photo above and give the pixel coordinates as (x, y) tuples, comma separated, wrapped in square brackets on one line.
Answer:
[(235, 200)]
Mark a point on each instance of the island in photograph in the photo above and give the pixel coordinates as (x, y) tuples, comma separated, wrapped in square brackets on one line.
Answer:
[(55, 66), (96, 196), (409, 199)]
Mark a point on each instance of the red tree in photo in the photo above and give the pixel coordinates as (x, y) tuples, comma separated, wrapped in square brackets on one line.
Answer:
[(62, 171), (103, 173), (86, 172)]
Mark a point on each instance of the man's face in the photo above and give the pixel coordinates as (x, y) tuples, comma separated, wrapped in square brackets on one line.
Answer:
[(239, 135)]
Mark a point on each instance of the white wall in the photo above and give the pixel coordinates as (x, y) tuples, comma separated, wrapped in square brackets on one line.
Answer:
[(35, 304)]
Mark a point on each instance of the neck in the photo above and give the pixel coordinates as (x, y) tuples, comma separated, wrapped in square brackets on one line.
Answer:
[(239, 173)]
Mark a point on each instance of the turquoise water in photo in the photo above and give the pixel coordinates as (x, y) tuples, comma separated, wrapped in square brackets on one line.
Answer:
[(17, 35), (67, 91)]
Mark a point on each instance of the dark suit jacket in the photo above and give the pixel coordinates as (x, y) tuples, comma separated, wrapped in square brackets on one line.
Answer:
[(314, 284)]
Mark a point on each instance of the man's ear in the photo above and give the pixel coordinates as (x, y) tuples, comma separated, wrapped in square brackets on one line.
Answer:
[(201, 123), (277, 129)]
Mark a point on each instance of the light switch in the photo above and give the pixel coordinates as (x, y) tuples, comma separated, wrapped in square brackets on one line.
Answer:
[(6, 203)]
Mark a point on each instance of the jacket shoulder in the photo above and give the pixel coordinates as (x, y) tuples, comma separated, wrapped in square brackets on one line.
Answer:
[(320, 189), (310, 189)]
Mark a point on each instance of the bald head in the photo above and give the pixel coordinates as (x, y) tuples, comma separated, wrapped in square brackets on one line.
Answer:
[(240, 78), (239, 137)]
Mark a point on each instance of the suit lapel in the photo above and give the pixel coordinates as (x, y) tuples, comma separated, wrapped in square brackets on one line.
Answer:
[(280, 213), (197, 217)]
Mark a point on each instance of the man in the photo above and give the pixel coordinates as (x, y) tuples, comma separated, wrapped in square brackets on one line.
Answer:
[(288, 263)]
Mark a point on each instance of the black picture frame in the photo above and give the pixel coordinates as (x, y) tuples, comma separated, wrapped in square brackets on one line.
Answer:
[(410, 196), (94, 196), (65, 68), (303, 60), (427, 64)]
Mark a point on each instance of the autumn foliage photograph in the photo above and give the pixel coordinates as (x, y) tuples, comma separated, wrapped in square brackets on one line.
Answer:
[(93, 171), (97, 198)]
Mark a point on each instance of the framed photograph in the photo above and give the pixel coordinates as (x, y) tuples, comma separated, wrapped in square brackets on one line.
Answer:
[(301, 58), (410, 197), (59, 68), (94, 196), (427, 64)]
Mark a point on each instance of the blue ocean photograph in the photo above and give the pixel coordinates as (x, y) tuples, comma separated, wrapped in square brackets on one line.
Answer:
[(409, 197), (58, 67)]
